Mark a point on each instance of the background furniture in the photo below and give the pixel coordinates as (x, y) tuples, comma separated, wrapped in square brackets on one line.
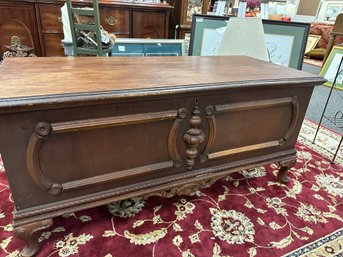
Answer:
[(90, 131), (38, 24), (324, 30), (286, 41), (181, 18), (93, 13), (337, 31)]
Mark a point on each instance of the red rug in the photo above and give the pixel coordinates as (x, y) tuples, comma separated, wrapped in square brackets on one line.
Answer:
[(246, 214)]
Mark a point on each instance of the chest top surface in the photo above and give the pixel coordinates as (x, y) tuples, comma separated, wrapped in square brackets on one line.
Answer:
[(39, 77)]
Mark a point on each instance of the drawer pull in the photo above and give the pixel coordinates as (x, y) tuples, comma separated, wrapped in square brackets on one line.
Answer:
[(111, 21), (59, 19)]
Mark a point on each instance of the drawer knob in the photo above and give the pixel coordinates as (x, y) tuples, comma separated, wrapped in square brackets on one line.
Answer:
[(111, 21), (59, 19)]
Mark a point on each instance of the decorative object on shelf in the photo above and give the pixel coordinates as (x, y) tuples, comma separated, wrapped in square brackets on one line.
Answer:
[(337, 118), (285, 41), (329, 70), (182, 15), (253, 8), (193, 7), (17, 49), (126, 208)]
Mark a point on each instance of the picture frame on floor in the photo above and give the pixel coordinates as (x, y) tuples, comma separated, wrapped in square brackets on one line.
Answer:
[(286, 41), (329, 69), (312, 42)]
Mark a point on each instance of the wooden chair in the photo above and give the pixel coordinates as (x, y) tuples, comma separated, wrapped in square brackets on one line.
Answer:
[(336, 31), (99, 50)]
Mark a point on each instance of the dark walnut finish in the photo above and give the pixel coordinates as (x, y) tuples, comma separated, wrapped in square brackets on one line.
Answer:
[(38, 23), (82, 132)]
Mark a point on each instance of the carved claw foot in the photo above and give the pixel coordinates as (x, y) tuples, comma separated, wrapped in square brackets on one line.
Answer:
[(28, 233), (284, 167)]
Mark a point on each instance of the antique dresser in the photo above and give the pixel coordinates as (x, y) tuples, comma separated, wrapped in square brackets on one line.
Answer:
[(38, 23), (82, 132)]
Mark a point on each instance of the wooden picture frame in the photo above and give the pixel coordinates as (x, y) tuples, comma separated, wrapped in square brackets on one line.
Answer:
[(286, 40), (330, 67), (312, 42)]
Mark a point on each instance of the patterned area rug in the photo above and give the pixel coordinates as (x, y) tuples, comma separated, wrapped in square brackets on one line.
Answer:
[(245, 214), (326, 143)]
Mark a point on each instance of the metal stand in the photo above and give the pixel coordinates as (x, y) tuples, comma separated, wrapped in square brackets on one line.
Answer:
[(338, 121)]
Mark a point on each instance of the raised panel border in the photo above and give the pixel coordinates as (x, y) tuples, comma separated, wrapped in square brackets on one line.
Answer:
[(244, 106), (43, 130)]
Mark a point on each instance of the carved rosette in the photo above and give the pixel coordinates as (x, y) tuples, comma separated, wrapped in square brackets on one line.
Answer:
[(194, 136)]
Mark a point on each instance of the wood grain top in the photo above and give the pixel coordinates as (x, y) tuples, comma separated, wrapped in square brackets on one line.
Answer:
[(42, 76)]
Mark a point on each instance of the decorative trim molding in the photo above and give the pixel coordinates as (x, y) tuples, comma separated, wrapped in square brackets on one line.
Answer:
[(74, 203), (43, 130), (78, 125), (295, 112), (174, 131), (115, 175), (187, 189), (211, 120), (194, 136), (243, 149), (67, 100), (253, 105)]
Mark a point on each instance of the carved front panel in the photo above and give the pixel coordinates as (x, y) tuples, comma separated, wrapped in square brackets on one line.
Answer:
[(121, 148), (255, 125), (74, 154)]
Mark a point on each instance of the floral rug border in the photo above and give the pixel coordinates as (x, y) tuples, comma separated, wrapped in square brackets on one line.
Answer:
[(325, 246), (326, 143)]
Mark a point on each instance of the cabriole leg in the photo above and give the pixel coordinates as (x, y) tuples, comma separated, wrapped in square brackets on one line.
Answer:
[(28, 233), (284, 167)]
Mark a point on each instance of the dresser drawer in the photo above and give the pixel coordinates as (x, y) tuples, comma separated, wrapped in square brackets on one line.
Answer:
[(51, 17), (115, 20), (53, 45)]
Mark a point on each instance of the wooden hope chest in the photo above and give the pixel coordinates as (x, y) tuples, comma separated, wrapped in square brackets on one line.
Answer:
[(76, 133)]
